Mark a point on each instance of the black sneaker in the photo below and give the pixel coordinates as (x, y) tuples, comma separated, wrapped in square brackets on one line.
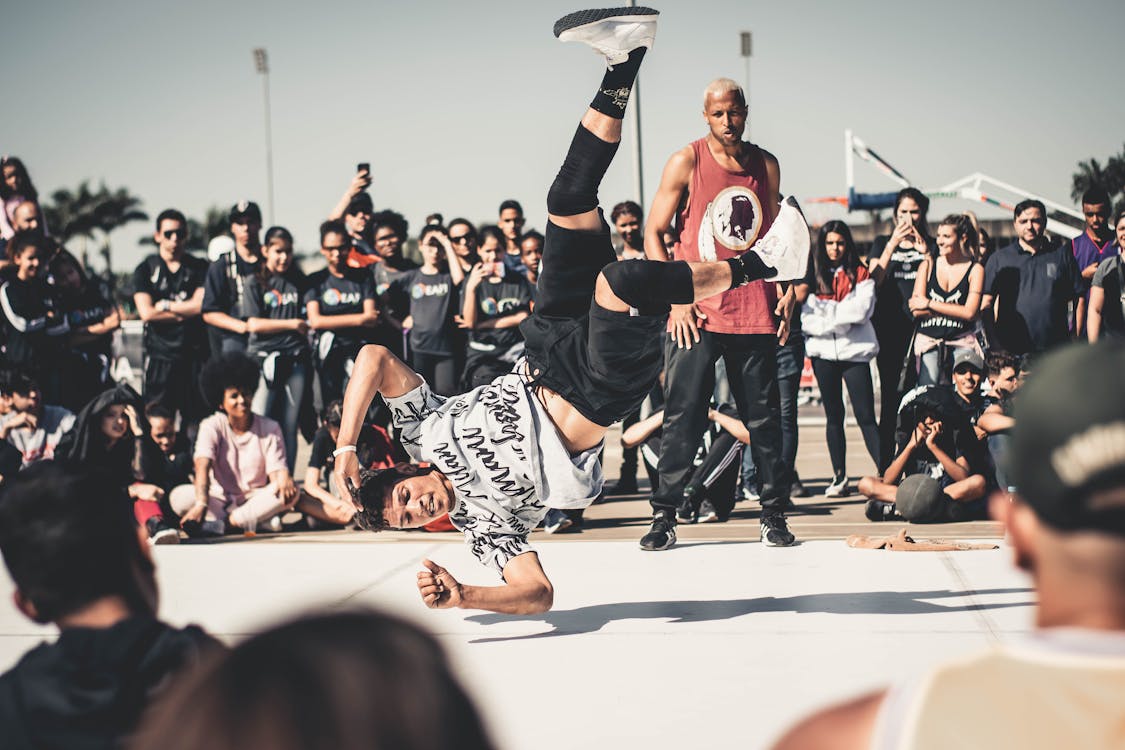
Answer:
[(161, 533), (775, 529), (707, 513), (797, 489), (662, 535), (624, 486), (877, 511)]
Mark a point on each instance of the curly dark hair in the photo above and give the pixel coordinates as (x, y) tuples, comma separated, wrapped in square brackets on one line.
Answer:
[(230, 370), (375, 486)]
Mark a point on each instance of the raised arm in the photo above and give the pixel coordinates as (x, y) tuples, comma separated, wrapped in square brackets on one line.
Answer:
[(359, 183), (376, 370)]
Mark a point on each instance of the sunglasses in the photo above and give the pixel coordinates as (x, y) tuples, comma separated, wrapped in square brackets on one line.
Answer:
[(333, 248), (170, 233), (461, 240)]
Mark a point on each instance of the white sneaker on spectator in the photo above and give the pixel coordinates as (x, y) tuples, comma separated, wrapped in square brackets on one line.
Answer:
[(612, 32), (838, 488)]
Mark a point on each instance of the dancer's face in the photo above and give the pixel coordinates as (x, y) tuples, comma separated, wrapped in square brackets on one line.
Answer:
[(417, 500), (726, 116)]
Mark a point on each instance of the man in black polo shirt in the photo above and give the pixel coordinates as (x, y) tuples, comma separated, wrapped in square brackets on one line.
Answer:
[(224, 289), (168, 293), (1029, 285)]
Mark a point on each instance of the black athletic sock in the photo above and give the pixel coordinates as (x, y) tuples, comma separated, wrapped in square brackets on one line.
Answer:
[(575, 189), (748, 267), (613, 94)]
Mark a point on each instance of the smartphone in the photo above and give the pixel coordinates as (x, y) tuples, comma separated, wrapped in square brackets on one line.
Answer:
[(363, 167)]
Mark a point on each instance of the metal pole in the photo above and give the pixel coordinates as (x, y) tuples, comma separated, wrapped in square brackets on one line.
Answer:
[(745, 44), (262, 64), (634, 114)]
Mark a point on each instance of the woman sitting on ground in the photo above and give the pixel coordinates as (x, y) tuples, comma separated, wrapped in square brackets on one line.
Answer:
[(110, 435), (241, 479)]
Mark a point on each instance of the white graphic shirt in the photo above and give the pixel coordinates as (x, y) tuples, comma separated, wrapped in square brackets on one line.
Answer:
[(500, 451)]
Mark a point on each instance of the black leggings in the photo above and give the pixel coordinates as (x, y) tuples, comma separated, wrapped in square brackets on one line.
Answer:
[(830, 378), (439, 370)]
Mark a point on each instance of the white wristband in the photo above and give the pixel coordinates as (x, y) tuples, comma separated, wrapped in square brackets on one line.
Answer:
[(343, 449)]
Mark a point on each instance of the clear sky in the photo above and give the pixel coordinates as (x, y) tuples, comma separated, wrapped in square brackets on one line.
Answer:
[(459, 105)]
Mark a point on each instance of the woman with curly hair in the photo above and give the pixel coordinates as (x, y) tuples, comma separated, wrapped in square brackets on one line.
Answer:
[(241, 479)]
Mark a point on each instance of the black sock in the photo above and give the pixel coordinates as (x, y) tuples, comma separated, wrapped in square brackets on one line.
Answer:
[(613, 94), (748, 267)]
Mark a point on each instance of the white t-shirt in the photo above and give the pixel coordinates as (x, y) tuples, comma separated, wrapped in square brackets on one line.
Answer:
[(504, 458), (39, 444)]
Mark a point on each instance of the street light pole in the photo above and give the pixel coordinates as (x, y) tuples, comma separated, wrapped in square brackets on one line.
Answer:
[(261, 63), (634, 115), (744, 39)]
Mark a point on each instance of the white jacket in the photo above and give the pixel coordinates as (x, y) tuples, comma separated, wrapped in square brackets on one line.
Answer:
[(841, 331)]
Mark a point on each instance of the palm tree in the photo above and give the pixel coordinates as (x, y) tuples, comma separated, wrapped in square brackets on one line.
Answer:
[(114, 210), (1110, 177)]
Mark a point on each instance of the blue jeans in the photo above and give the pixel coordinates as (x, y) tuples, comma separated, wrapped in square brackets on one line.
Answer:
[(790, 363), (281, 400)]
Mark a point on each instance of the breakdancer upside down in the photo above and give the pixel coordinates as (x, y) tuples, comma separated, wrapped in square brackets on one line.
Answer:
[(499, 456)]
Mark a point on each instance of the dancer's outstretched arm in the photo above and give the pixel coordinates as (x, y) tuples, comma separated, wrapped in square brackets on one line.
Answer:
[(526, 591), (376, 370)]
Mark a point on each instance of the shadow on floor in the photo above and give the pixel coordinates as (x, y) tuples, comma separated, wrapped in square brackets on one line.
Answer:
[(593, 618)]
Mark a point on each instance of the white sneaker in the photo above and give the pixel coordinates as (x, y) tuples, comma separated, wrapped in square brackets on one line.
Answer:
[(838, 488), (612, 32), (786, 245), (556, 521)]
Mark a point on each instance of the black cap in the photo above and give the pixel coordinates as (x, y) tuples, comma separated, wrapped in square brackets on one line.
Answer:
[(245, 210), (1068, 445), (361, 203)]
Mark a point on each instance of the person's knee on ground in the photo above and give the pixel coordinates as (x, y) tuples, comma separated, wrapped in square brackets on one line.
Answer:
[(261, 505), (182, 498), (649, 286)]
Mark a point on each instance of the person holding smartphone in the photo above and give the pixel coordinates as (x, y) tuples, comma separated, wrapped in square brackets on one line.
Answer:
[(494, 301), (893, 262)]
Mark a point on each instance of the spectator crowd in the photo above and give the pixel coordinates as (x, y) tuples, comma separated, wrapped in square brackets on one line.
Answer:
[(246, 352)]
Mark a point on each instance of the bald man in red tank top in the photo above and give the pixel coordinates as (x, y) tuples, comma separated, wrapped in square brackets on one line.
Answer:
[(723, 194)]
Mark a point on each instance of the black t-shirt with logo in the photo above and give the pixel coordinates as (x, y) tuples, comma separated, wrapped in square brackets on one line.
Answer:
[(277, 298), (892, 302), (224, 290), (497, 299), (394, 299), (432, 298), (342, 296), (171, 339)]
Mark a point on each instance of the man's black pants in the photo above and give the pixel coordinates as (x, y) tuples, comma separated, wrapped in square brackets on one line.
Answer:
[(751, 364)]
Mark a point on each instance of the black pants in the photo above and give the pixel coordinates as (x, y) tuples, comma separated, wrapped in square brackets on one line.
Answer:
[(751, 364), (174, 383), (629, 455), (893, 345), (831, 377), (439, 370)]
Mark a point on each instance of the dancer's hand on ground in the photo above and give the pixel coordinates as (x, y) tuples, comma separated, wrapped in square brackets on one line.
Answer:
[(438, 588), (686, 320), (346, 475)]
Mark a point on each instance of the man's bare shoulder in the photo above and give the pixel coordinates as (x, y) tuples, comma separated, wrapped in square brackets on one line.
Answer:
[(682, 161), (770, 159), (848, 726)]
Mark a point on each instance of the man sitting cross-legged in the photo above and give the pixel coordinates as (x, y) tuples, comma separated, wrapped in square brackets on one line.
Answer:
[(501, 455)]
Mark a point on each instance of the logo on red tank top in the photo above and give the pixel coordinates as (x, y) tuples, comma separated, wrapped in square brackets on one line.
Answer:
[(733, 219)]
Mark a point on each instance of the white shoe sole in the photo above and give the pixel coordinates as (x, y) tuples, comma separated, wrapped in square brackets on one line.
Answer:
[(165, 536), (786, 245), (616, 44)]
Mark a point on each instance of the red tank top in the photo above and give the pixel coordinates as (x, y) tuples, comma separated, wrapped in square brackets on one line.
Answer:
[(724, 215)]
